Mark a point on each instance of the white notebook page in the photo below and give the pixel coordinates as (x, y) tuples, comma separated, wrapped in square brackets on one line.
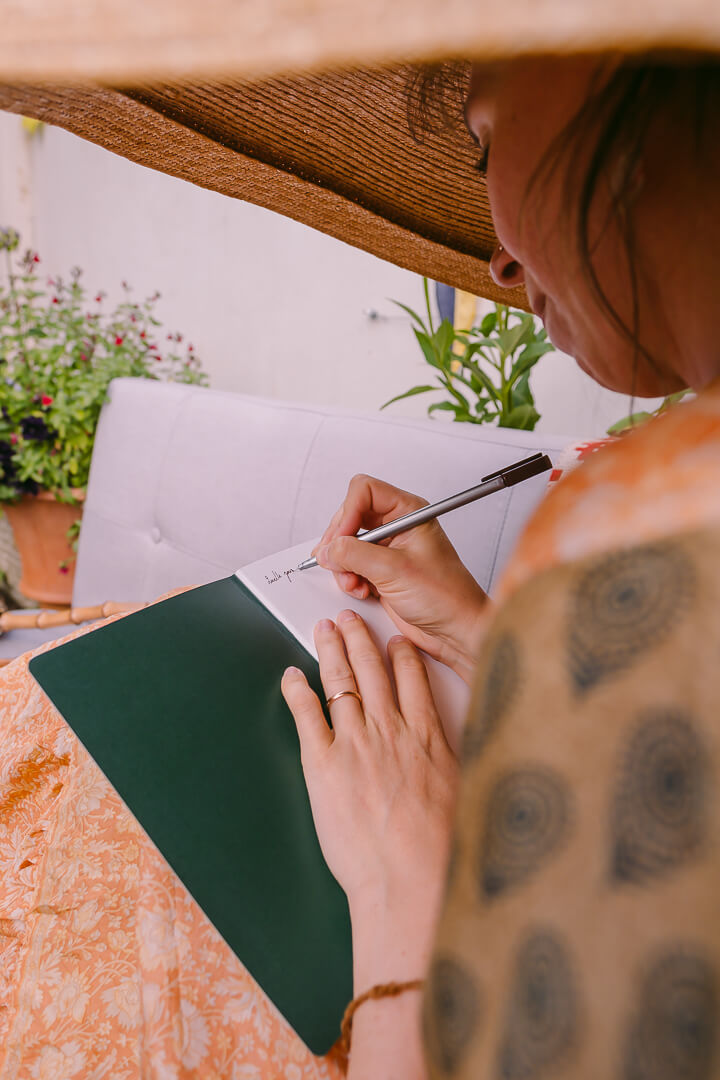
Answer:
[(299, 599)]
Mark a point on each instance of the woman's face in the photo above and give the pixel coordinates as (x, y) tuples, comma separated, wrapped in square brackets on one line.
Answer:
[(514, 111)]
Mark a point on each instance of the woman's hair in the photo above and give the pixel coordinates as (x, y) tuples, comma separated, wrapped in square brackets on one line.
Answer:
[(606, 137)]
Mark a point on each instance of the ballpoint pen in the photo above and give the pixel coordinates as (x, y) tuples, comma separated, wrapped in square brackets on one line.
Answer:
[(503, 478)]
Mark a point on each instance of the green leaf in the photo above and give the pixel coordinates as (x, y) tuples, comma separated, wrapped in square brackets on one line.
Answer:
[(628, 422), (426, 294), (488, 323), (521, 393), (409, 393), (484, 380), (515, 336), (484, 342), (483, 411), (460, 398), (530, 356), (443, 406), (413, 314), (672, 399), (523, 417), (426, 345), (444, 339), (476, 349)]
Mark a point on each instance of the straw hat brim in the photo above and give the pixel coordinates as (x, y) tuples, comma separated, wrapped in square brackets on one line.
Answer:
[(333, 151), (208, 93)]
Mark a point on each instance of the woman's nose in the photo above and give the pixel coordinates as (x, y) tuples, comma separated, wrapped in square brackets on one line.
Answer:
[(504, 269)]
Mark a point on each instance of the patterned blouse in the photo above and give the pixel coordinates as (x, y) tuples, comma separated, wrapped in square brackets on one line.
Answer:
[(581, 931)]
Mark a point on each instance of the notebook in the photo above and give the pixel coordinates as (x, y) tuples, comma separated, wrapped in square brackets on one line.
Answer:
[(180, 706)]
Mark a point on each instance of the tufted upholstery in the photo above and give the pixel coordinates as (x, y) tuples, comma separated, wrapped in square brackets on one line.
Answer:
[(188, 484)]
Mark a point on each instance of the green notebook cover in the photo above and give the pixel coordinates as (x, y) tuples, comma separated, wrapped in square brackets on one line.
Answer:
[(180, 706)]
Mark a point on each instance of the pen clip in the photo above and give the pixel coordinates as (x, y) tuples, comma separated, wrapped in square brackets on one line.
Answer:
[(516, 465), (523, 470)]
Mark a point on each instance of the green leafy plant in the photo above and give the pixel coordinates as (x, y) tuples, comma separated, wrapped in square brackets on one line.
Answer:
[(621, 427), (483, 372), (59, 350)]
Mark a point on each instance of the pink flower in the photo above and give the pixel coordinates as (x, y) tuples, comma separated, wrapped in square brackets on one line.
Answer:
[(55, 300), (36, 258), (64, 569), (46, 399), (83, 356), (13, 438), (118, 340), (98, 298)]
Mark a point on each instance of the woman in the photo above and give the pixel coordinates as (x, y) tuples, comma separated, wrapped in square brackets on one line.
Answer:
[(577, 934)]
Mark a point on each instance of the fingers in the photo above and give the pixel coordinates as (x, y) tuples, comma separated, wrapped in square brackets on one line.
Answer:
[(353, 585), (369, 502), (368, 666), (350, 660), (312, 728), (374, 562), (337, 674), (412, 685)]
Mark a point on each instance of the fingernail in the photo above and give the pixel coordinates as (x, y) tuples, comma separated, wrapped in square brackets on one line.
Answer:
[(396, 639), (322, 555), (293, 671), (325, 624), (347, 615)]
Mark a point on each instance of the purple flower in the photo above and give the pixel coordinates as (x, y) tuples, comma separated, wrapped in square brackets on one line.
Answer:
[(35, 429), (6, 452), (8, 471)]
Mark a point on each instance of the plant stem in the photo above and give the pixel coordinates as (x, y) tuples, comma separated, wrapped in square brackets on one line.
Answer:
[(426, 290)]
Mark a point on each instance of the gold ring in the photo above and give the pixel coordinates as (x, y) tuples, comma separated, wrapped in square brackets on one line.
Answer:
[(342, 693)]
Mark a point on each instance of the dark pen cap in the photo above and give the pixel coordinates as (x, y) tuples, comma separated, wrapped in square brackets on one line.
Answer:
[(522, 470)]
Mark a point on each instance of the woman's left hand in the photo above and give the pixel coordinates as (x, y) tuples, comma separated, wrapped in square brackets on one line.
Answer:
[(382, 789)]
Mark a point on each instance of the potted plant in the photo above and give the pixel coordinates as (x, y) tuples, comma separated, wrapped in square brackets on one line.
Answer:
[(483, 373), (59, 350)]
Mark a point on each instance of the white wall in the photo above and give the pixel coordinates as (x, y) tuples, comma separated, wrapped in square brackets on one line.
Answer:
[(272, 307)]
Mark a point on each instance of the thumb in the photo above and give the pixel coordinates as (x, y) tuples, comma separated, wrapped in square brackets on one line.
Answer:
[(381, 566)]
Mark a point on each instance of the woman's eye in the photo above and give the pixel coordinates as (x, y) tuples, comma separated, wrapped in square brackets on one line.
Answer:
[(482, 162)]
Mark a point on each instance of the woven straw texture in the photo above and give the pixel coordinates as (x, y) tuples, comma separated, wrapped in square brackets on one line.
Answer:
[(202, 91), (334, 152), (125, 40)]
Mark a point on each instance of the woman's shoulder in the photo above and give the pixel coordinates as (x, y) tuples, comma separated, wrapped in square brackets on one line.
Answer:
[(661, 479)]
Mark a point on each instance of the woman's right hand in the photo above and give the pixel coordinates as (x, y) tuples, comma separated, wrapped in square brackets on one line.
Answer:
[(417, 575)]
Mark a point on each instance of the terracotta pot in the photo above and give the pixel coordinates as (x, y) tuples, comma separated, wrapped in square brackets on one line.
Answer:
[(40, 523)]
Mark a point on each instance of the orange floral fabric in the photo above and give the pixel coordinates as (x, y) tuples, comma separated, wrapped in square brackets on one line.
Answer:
[(660, 479), (108, 969)]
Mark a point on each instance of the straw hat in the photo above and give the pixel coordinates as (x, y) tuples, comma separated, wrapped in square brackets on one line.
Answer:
[(210, 91)]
